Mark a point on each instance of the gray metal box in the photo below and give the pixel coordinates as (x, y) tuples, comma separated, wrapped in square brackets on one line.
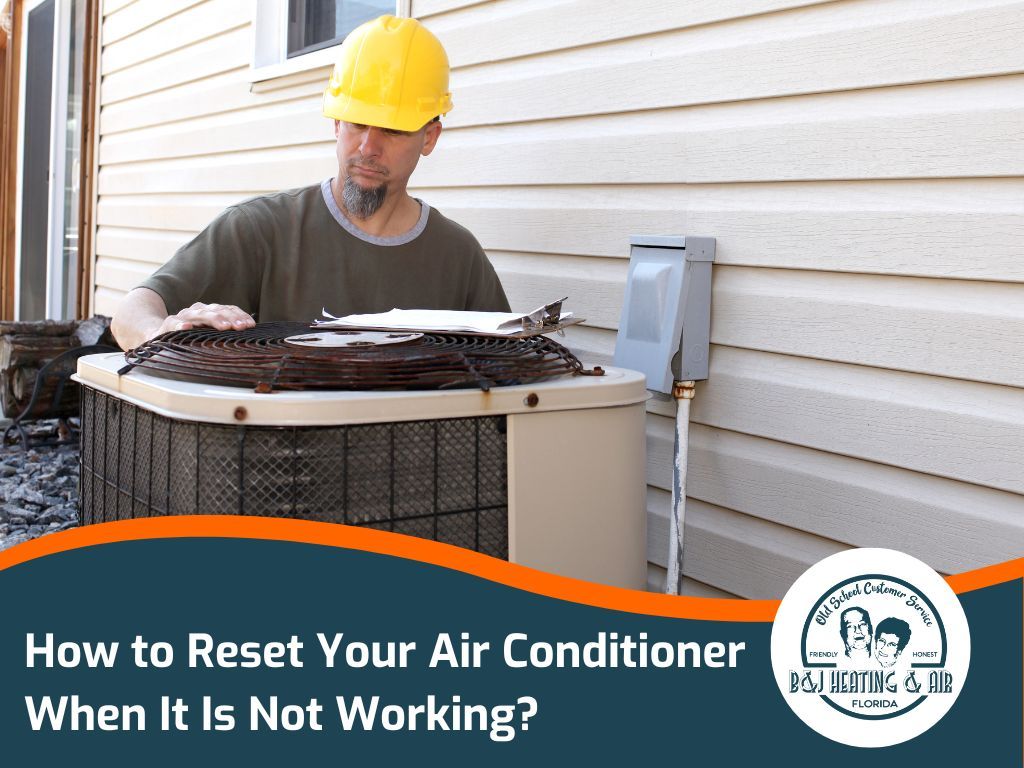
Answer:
[(665, 329)]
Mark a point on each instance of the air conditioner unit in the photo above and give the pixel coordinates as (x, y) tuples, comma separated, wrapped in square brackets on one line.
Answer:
[(548, 474)]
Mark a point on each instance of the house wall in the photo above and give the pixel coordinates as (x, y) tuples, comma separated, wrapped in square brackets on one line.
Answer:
[(859, 162)]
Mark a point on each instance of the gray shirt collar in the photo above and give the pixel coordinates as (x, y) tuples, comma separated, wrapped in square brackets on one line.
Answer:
[(352, 229)]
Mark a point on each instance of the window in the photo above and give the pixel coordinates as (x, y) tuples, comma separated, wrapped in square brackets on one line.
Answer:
[(316, 24), (50, 127), (296, 35)]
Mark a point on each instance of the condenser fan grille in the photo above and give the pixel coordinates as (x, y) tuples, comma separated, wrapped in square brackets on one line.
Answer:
[(292, 356), (441, 479)]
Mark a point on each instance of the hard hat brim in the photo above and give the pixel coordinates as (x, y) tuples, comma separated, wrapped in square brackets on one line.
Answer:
[(352, 110)]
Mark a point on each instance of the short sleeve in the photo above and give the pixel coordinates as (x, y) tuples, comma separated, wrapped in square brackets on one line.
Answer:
[(223, 264)]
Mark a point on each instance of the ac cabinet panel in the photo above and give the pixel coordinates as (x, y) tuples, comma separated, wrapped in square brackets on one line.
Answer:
[(577, 494)]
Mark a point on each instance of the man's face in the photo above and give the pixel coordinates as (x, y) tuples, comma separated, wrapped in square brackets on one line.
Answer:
[(857, 634), (376, 162), (887, 649)]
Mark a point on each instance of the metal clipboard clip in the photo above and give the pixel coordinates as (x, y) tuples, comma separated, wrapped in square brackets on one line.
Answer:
[(548, 317)]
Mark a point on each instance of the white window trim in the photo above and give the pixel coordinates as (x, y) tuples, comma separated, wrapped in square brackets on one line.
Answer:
[(270, 43), (54, 305), (55, 296)]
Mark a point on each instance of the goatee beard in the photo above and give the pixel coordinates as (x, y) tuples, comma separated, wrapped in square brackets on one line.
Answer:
[(361, 202)]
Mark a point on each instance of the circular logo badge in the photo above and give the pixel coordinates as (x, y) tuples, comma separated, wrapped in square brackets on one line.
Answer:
[(870, 647)]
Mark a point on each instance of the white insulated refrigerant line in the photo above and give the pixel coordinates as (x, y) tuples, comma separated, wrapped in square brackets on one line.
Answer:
[(683, 392)]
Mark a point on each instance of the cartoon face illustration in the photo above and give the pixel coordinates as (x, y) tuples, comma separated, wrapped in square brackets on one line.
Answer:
[(855, 629), (891, 638)]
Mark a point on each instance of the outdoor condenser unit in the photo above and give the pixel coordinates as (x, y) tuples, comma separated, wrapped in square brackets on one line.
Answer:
[(543, 467)]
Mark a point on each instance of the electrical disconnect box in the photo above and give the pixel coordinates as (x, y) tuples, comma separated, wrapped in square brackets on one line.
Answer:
[(665, 329)]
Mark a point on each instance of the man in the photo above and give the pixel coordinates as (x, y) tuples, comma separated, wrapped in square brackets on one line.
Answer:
[(856, 631), (357, 243), (891, 637)]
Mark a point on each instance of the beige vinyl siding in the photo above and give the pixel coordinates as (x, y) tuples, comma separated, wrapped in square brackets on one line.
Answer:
[(860, 162), (184, 134), (860, 165)]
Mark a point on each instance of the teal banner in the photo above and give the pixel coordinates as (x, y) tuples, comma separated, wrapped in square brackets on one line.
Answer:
[(202, 651)]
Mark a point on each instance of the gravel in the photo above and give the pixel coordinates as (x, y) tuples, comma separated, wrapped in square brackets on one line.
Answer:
[(38, 488)]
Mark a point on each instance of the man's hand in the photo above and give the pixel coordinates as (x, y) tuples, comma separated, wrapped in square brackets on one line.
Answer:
[(223, 317), (142, 315)]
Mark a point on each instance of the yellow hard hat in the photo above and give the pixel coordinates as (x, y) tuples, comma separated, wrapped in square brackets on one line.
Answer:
[(391, 73)]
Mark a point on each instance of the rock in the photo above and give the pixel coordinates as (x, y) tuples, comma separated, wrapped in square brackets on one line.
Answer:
[(9, 512), (34, 497), (13, 539), (25, 493), (53, 515), (38, 489)]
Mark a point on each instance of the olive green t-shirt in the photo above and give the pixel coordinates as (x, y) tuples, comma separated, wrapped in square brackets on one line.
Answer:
[(289, 255)]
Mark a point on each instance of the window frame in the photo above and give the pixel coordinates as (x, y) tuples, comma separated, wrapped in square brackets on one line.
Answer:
[(270, 43), (63, 281)]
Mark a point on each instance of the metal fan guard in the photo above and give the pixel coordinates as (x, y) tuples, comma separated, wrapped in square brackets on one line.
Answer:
[(262, 358)]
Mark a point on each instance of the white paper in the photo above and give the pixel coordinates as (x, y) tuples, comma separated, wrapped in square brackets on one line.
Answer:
[(497, 323)]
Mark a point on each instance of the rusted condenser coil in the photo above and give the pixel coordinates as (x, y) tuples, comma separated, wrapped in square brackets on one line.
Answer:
[(292, 356)]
